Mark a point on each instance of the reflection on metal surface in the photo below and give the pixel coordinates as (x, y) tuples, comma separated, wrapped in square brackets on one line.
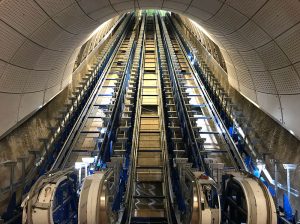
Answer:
[(250, 196), (202, 198), (51, 194), (93, 207)]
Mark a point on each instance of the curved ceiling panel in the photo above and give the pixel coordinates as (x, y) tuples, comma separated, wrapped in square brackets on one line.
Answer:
[(39, 40)]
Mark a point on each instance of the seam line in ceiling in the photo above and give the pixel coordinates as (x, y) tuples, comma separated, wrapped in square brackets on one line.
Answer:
[(111, 5), (30, 69), (53, 19), (270, 40), (216, 12), (84, 11), (249, 18), (27, 38), (188, 6)]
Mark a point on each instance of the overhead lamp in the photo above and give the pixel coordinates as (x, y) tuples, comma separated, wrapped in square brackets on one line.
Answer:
[(78, 166), (260, 164), (288, 167), (88, 160), (292, 132)]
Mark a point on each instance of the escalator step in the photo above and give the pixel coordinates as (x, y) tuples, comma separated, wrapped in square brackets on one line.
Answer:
[(144, 220)]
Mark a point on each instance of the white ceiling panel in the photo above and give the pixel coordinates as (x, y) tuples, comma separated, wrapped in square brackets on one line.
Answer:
[(3, 65), (227, 55), (198, 14), (65, 41), (84, 24), (121, 1), (209, 6), (253, 61), (70, 16), (90, 6), (272, 56), (47, 60), (54, 7), (291, 107), (297, 67), (68, 69), (278, 15), (10, 41), (255, 36), (13, 80), (248, 8), (73, 57), (8, 111), (62, 59), (103, 14), (45, 34), (36, 81), (237, 41), (232, 76), (155, 4), (245, 78), (55, 77), (238, 60), (123, 6), (270, 104), (290, 44), (23, 15), (263, 82), (234, 83), (65, 82), (29, 103), (217, 26), (51, 92), (175, 5), (286, 80), (249, 93), (27, 55), (230, 17)]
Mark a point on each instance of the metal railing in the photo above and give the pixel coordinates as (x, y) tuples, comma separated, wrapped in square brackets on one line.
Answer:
[(130, 188), (235, 155), (52, 146), (181, 107)]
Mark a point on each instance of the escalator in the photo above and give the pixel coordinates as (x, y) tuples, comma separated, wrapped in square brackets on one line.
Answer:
[(160, 155), (148, 197)]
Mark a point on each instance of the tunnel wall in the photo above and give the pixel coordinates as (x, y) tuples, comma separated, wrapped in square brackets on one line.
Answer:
[(39, 41), (28, 136), (272, 140), (261, 51), (259, 39)]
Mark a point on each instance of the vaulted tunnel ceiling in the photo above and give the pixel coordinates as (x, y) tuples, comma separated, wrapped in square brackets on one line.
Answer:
[(39, 41)]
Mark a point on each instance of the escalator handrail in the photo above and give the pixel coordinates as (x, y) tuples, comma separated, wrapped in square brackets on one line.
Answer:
[(135, 137), (165, 158), (71, 140), (117, 106), (228, 140), (182, 107)]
